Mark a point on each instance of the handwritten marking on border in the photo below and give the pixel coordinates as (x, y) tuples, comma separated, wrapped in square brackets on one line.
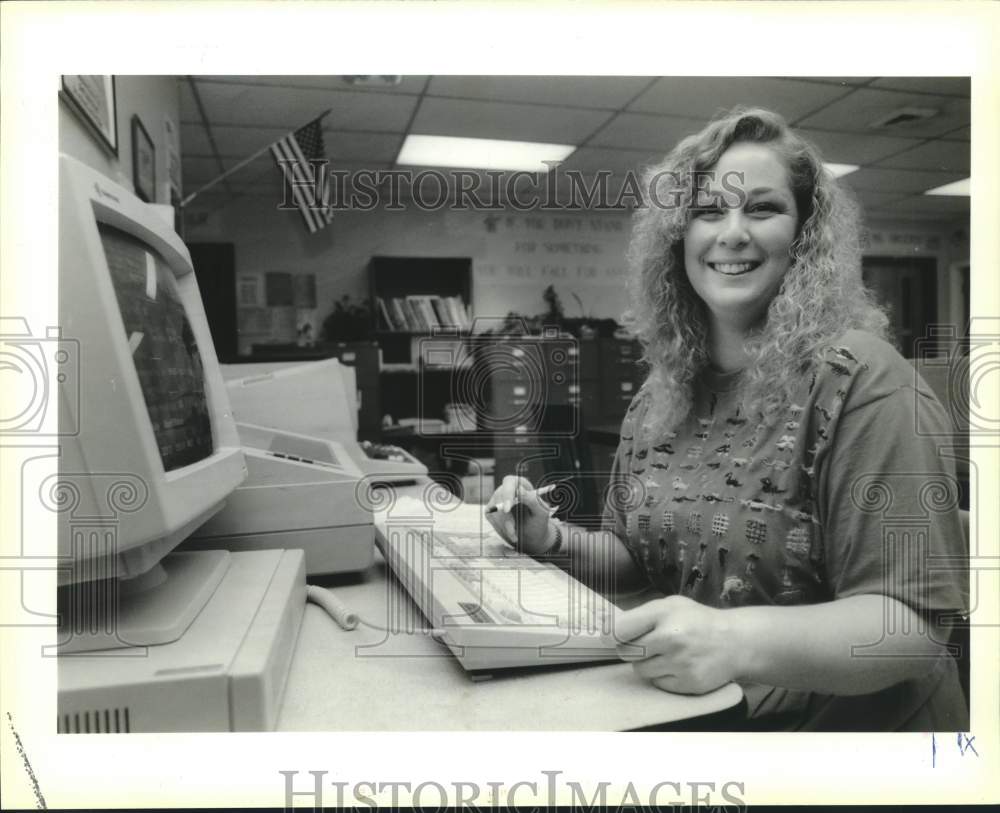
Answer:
[(39, 799)]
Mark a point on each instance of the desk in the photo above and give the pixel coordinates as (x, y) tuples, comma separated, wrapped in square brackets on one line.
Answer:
[(370, 680)]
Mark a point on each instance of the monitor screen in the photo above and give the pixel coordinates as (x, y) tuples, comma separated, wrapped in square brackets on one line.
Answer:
[(163, 347)]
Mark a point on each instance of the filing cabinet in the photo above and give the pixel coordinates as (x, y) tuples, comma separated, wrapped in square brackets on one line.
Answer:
[(528, 376), (621, 376), (543, 392)]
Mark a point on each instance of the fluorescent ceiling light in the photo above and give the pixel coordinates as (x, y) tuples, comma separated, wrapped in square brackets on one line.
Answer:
[(480, 153), (840, 170), (954, 188)]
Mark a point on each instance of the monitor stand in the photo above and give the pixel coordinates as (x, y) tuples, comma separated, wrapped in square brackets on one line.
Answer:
[(153, 608)]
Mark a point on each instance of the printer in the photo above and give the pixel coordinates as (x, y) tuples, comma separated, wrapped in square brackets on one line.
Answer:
[(316, 398)]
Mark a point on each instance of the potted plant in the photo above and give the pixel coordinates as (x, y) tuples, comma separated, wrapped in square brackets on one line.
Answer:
[(348, 321)]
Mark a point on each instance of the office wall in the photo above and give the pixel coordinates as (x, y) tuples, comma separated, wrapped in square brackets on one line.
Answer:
[(515, 254), (155, 99)]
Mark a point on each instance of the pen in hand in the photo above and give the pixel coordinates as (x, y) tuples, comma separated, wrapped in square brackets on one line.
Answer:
[(541, 492)]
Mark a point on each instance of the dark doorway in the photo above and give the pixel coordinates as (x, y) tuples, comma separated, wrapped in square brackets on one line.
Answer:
[(907, 288), (215, 268)]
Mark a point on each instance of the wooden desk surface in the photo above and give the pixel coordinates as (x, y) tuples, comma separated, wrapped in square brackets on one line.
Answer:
[(372, 680)]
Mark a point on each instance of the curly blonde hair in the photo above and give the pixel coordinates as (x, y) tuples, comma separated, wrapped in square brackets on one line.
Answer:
[(820, 297)]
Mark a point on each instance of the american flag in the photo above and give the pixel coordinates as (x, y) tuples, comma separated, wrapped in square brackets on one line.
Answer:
[(308, 182)]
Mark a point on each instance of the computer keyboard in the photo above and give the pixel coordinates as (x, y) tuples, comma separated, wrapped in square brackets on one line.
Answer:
[(492, 606)]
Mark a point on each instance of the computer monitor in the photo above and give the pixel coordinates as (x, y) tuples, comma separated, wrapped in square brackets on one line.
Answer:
[(156, 451)]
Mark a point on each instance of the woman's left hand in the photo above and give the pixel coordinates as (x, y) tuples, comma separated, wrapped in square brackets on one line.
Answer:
[(678, 644)]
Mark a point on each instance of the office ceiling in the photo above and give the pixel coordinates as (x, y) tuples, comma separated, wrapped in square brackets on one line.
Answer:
[(618, 123)]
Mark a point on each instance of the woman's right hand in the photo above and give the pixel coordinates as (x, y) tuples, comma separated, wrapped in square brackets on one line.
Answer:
[(521, 518)]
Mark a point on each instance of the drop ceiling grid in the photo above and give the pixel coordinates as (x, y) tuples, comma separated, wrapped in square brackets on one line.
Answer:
[(623, 122)]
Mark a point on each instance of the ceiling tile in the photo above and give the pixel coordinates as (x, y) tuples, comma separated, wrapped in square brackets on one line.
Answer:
[(194, 141), (379, 148), (196, 171), (470, 119), (237, 143), (858, 110), (606, 92), (267, 106), (641, 131), (411, 84), (951, 156), (855, 148), (240, 142), (704, 96), (944, 85), (903, 181), (617, 162), (870, 198)]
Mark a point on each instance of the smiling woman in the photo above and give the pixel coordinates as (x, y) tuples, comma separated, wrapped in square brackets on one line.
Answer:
[(762, 465), (741, 156), (736, 257)]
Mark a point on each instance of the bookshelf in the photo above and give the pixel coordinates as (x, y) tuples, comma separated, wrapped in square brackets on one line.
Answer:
[(415, 295)]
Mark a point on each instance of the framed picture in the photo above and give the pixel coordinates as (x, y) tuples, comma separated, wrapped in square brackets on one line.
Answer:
[(249, 290), (143, 162), (92, 98), (279, 289)]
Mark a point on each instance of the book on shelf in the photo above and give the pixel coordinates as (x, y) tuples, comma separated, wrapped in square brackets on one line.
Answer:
[(421, 313), (399, 316), (407, 319), (425, 311), (460, 312), (416, 317), (441, 311), (384, 315)]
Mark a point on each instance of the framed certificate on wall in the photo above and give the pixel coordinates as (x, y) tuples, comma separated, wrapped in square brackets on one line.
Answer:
[(92, 98), (143, 162), (250, 290)]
